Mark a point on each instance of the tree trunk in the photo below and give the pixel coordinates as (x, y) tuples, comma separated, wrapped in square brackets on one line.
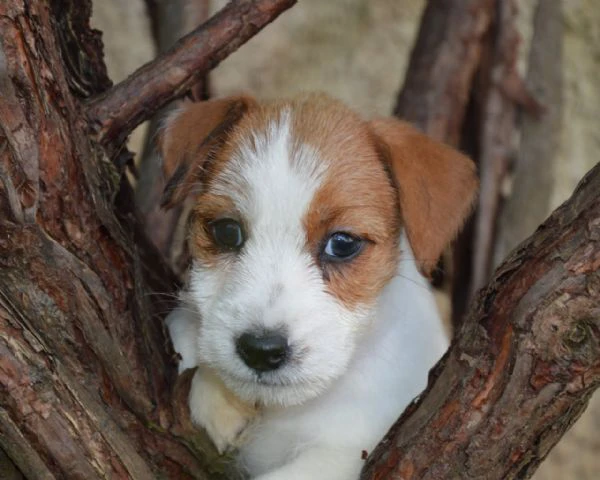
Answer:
[(437, 97), (86, 370)]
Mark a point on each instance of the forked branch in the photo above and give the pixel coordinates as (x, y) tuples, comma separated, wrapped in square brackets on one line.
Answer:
[(118, 111)]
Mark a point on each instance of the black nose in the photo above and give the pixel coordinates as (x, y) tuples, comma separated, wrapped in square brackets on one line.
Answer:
[(262, 352)]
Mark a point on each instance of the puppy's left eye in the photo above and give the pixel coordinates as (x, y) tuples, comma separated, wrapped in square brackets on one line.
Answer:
[(227, 233), (342, 246)]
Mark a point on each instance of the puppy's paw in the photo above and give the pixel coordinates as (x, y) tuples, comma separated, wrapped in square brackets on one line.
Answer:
[(182, 325), (213, 407)]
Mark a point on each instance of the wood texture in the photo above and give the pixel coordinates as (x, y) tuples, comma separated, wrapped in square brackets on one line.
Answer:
[(502, 91), (436, 96), (527, 359), (534, 168)]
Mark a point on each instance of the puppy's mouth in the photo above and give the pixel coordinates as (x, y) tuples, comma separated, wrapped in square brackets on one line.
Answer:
[(269, 381), (274, 389)]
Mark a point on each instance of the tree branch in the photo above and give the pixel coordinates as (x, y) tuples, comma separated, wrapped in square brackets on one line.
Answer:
[(442, 64), (117, 112), (522, 368), (535, 162), (504, 91), (436, 94), (496, 117)]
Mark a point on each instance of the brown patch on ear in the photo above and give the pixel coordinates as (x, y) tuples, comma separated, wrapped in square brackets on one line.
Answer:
[(437, 186), (190, 139)]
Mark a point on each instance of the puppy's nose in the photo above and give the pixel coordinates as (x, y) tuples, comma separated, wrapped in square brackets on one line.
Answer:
[(262, 352)]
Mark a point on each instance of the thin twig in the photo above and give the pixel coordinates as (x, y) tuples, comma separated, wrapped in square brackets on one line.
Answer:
[(496, 145), (114, 114)]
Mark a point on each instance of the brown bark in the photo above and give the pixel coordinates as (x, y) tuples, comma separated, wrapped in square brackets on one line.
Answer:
[(436, 96), (462, 87), (514, 380), (522, 368), (86, 370), (446, 55), (490, 135), (496, 118), (172, 19)]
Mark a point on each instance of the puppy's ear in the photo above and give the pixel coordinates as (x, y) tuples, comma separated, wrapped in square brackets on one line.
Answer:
[(437, 186), (191, 134)]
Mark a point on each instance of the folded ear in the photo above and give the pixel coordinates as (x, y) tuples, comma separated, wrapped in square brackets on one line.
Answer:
[(437, 186), (189, 136)]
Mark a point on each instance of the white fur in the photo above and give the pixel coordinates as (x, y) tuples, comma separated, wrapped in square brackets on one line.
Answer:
[(352, 372), (273, 283), (388, 370)]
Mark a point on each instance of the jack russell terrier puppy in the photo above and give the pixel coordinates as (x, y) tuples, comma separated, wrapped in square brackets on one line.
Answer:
[(306, 310)]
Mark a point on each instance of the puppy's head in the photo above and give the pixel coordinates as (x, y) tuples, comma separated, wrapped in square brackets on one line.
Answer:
[(297, 212)]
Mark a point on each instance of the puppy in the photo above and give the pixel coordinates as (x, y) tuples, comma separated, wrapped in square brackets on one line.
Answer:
[(306, 310)]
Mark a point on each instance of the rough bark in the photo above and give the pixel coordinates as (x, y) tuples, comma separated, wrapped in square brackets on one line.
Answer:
[(86, 370), (522, 368)]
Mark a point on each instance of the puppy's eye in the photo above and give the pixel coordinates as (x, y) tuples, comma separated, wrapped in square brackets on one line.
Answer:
[(227, 233), (342, 246)]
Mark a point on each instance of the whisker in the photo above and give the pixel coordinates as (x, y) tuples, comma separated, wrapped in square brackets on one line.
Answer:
[(399, 275), (163, 313), (165, 294)]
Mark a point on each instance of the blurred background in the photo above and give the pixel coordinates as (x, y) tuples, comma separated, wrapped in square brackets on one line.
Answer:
[(358, 51)]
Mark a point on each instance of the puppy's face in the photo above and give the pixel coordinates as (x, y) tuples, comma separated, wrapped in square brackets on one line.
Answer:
[(294, 230)]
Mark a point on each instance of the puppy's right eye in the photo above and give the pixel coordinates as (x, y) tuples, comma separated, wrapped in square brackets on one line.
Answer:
[(341, 247), (227, 233)]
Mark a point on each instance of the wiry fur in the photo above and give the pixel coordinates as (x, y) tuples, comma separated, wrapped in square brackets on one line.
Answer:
[(362, 335)]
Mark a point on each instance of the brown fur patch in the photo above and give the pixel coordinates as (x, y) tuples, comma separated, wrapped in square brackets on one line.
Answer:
[(196, 146), (208, 207), (356, 197), (437, 187), (191, 142)]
